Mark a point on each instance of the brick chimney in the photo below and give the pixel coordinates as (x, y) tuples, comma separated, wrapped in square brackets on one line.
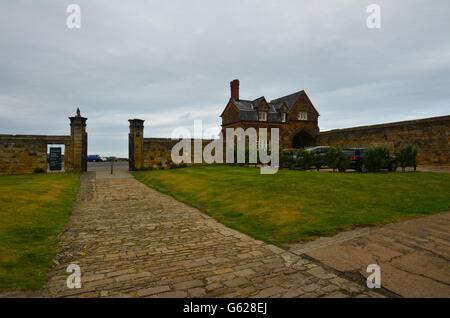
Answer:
[(234, 85)]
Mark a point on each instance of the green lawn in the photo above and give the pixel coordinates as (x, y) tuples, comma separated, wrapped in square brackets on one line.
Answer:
[(293, 206), (33, 210)]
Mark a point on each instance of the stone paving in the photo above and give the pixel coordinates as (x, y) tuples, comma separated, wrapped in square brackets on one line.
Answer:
[(413, 255), (132, 241)]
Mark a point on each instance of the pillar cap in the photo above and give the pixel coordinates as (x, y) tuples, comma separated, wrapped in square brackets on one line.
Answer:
[(136, 122), (78, 117)]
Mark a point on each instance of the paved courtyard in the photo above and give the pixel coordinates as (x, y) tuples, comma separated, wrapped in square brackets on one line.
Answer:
[(132, 241), (413, 255)]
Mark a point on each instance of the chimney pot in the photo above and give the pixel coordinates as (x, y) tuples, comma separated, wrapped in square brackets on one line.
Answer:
[(234, 85)]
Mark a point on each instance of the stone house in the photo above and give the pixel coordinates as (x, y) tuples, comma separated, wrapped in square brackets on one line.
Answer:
[(294, 115), (297, 120)]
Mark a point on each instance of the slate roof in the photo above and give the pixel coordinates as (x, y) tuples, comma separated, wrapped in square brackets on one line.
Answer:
[(289, 99), (248, 108)]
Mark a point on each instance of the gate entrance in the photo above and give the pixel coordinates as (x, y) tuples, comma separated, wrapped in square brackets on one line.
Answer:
[(302, 139)]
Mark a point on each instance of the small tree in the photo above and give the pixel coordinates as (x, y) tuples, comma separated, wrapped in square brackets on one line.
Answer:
[(407, 157), (376, 158)]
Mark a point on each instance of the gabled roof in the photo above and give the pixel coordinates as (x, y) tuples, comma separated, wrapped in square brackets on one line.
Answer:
[(248, 108), (291, 99), (242, 104)]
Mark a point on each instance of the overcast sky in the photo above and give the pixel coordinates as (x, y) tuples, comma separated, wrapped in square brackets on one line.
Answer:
[(170, 62)]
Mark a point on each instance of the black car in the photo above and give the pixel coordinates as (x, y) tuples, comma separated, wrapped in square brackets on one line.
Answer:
[(320, 152), (356, 156)]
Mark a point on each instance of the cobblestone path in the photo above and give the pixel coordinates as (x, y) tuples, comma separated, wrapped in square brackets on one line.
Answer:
[(132, 241)]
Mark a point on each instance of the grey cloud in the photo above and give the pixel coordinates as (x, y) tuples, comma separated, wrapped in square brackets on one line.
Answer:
[(170, 62)]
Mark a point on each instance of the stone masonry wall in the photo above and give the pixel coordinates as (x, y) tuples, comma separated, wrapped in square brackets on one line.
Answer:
[(159, 150), (26, 153), (431, 136)]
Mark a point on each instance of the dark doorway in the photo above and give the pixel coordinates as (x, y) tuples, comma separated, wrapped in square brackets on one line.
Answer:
[(302, 139)]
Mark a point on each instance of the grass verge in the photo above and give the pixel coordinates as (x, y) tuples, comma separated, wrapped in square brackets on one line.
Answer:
[(293, 206), (34, 209)]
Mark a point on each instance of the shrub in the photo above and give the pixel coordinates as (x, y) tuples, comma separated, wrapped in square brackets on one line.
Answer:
[(331, 156), (407, 157), (336, 159), (376, 158), (342, 162), (305, 159), (286, 159)]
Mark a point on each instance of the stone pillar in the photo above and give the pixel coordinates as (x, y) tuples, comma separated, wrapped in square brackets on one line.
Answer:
[(136, 144), (78, 143)]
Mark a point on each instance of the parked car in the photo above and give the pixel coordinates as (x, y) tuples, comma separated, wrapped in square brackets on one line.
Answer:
[(94, 158), (320, 152), (357, 155)]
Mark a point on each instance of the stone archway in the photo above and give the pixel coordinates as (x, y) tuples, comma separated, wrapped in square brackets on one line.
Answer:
[(302, 139)]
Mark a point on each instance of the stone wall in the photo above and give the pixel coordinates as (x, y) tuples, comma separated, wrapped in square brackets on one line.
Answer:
[(431, 136), (27, 153), (158, 150), (151, 152)]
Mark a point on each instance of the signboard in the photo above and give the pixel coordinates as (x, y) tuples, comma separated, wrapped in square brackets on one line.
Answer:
[(54, 159)]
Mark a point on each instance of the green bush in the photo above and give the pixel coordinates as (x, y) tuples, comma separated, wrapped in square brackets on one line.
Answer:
[(407, 157), (376, 158), (331, 156), (336, 159), (343, 162), (305, 159), (286, 159)]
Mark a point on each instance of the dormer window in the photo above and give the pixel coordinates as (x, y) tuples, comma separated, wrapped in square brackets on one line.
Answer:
[(262, 116), (302, 116), (283, 117)]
